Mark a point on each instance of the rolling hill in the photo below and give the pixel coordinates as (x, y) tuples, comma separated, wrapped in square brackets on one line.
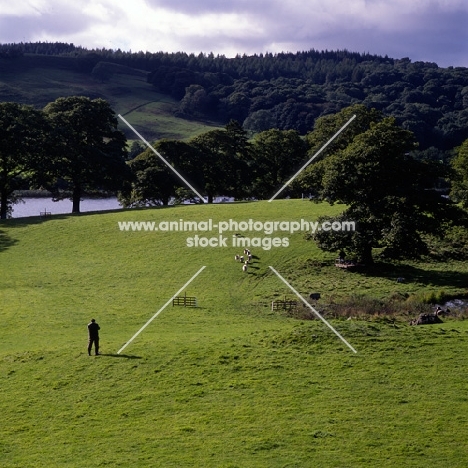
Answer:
[(38, 80), (230, 383), (180, 95)]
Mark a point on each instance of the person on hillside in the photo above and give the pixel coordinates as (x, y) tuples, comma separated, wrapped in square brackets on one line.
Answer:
[(93, 332)]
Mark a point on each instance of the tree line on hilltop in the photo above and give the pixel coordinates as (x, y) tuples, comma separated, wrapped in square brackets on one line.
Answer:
[(289, 91)]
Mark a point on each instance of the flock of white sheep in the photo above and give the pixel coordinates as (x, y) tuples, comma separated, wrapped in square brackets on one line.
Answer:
[(244, 259)]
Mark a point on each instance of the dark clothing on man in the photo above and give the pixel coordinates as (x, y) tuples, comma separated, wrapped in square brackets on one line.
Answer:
[(342, 256), (93, 332)]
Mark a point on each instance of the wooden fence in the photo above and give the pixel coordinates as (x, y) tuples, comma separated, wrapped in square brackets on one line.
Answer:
[(186, 301), (283, 305)]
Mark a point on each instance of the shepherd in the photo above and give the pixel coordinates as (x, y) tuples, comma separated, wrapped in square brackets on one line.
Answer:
[(93, 332)]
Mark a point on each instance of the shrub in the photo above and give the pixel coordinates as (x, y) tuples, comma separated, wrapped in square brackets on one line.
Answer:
[(357, 306), (430, 297), (453, 245)]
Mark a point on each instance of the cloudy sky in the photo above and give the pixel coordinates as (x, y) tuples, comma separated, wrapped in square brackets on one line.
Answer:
[(427, 30)]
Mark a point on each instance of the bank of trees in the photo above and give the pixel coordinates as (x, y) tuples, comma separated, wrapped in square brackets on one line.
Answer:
[(71, 146), (395, 198), (222, 162), (390, 195), (22, 149)]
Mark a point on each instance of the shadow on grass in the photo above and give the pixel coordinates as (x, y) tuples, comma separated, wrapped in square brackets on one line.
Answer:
[(6, 241), (32, 220), (413, 274), (125, 356)]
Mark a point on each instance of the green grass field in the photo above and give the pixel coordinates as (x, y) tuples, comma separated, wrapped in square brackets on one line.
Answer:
[(229, 383)]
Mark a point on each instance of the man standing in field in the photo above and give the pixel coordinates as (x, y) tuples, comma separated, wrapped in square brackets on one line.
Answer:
[(93, 332)]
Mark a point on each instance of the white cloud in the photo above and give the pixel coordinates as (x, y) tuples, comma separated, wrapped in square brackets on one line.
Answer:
[(433, 30)]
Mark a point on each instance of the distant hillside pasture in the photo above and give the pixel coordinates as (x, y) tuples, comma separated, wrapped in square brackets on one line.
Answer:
[(153, 114)]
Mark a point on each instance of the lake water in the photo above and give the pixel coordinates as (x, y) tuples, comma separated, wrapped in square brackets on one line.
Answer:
[(34, 206)]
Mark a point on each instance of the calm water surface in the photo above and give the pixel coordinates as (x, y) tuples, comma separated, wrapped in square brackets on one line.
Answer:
[(34, 206)]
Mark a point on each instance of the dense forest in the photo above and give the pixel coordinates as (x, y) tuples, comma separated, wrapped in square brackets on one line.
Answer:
[(288, 91)]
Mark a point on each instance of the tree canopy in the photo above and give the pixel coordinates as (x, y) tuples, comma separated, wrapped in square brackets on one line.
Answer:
[(277, 155), (89, 151), (389, 194), (23, 142), (153, 182)]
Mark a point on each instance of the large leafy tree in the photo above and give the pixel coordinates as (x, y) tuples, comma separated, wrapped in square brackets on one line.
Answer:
[(152, 185), (22, 149), (309, 181), (224, 161), (387, 192), (277, 155), (239, 151), (90, 151), (215, 162), (153, 182), (325, 127)]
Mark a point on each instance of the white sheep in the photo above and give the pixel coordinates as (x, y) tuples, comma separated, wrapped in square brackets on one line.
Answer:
[(244, 267), (237, 258), (242, 259)]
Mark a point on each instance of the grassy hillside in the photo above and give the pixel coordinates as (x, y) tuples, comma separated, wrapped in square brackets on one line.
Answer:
[(40, 80), (230, 383)]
